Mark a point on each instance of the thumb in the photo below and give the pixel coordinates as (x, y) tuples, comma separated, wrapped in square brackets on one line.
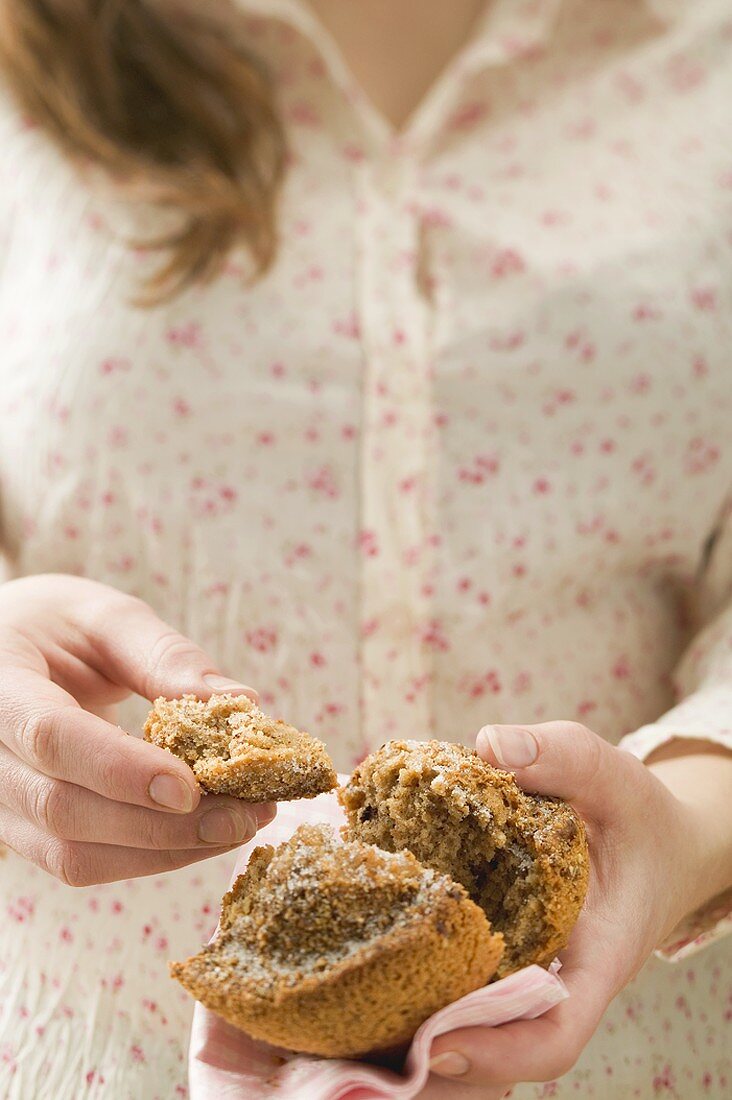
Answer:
[(137, 650), (563, 759)]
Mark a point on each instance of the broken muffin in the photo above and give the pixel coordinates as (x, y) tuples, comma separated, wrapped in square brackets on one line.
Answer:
[(338, 949), (234, 748), (522, 858)]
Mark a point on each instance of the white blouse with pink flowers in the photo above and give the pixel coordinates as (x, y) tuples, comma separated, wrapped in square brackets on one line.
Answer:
[(463, 456)]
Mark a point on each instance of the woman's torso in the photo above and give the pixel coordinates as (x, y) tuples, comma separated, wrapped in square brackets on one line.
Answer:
[(454, 460)]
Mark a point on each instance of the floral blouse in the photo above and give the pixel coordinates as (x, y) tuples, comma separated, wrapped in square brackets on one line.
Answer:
[(462, 456)]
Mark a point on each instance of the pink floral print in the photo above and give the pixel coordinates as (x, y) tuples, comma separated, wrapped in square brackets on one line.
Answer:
[(461, 457)]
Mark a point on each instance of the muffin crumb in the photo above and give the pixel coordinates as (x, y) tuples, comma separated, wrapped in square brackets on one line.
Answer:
[(234, 748)]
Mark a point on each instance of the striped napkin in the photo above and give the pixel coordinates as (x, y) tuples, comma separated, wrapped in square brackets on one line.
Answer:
[(225, 1064)]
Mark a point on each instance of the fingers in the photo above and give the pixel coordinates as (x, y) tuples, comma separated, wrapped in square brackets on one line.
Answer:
[(126, 641), (563, 759), (70, 812), (541, 1049), (80, 864), (44, 727)]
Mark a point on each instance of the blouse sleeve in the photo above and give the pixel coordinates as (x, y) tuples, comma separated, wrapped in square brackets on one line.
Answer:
[(702, 682)]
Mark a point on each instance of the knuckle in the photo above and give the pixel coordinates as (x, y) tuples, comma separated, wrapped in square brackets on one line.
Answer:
[(111, 766), (109, 606), (66, 861), (52, 808), (153, 831), (170, 651), (587, 752), (39, 734)]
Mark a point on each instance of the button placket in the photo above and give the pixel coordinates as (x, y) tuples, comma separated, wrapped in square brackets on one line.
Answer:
[(396, 483)]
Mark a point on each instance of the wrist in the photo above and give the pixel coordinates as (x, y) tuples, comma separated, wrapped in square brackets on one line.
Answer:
[(700, 783)]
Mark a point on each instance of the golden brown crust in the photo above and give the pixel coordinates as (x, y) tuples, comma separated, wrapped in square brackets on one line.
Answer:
[(360, 989), (235, 749), (523, 858)]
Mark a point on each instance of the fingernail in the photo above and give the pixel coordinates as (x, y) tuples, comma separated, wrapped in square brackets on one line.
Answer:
[(512, 746), (223, 686), (170, 791), (223, 826), (450, 1064), (265, 813)]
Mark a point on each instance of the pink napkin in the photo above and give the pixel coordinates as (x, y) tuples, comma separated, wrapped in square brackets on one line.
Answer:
[(225, 1064)]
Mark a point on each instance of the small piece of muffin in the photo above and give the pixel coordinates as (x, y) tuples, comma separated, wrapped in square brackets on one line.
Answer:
[(233, 748), (523, 858), (339, 949)]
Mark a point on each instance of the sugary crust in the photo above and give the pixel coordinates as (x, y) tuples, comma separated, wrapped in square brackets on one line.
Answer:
[(373, 998), (234, 748), (408, 793)]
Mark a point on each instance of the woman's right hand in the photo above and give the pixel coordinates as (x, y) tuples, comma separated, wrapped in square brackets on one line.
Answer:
[(79, 797)]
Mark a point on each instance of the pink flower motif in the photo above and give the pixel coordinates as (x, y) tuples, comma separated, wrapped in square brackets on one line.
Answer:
[(353, 153), (468, 115), (484, 465), (521, 683), (181, 407), (644, 468), (704, 298), (368, 543), (304, 114), (118, 436), (487, 683), (621, 669), (185, 336), (114, 366), (640, 383), (700, 456), (21, 909), (507, 341), (323, 481), (507, 262), (434, 637), (349, 327), (665, 1081), (684, 74), (646, 312), (263, 639)]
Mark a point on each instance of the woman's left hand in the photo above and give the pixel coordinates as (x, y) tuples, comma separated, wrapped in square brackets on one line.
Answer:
[(648, 860)]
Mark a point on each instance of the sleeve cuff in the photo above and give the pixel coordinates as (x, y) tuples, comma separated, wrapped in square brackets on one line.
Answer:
[(704, 716)]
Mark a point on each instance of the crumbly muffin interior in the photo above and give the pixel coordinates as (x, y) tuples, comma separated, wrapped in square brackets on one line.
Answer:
[(234, 748), (218, 728), (433, 799), (302, 908)]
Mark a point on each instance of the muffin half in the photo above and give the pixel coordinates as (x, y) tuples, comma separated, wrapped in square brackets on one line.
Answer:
[(522, 858), (233, 748), (339, 949)]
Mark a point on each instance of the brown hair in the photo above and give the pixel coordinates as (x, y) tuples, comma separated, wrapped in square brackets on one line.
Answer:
[(159, 95)]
